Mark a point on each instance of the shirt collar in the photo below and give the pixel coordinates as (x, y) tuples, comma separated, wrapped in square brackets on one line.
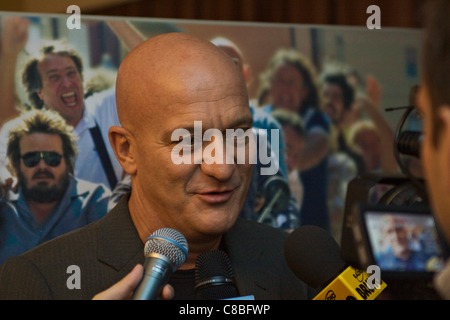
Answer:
[(86, 122)]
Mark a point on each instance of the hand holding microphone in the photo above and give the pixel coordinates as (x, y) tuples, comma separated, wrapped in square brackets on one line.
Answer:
[(123, 289)]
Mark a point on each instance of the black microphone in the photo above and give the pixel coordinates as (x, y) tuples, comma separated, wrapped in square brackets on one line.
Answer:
[(214, 276), (313, 255), (165, 251), (315, 258)]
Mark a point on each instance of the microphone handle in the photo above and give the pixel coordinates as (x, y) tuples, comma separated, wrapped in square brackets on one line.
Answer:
[(156, 275), (269, 207)]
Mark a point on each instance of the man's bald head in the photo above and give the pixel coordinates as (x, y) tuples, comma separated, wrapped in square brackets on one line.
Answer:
[(166, 87), (168, 67)]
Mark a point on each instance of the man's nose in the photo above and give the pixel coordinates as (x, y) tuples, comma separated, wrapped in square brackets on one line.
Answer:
[(65, 81), (215, 163), (41, 164)]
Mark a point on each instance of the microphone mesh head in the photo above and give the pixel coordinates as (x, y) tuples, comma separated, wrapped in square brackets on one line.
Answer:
[(168, 243), (214, 276)]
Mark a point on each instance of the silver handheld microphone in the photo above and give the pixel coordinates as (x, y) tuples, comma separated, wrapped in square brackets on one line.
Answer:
[(165, 251)]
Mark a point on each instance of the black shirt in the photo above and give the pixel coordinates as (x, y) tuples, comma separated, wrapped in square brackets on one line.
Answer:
[(183, 282)]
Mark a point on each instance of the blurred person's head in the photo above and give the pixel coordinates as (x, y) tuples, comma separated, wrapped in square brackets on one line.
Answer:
[(233, 51), (54, 80), (338, 97), (293, 83), (397, 236), (364, 138), (293, 132)]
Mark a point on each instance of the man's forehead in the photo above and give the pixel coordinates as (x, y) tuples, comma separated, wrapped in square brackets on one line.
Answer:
[(38, 139), (287, 71), (175, 69), (214, 121), (53, 62), (206, 116)]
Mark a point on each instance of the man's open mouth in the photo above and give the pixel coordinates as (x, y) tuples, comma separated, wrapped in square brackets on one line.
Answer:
[(69, 99)]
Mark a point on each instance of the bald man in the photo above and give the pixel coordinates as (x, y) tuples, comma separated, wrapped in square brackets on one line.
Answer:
[(165, 84)]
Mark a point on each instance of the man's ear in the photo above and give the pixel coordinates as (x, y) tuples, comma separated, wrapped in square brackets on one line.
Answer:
[(444, 116), (40, 95), (123, 145), (443, 142)]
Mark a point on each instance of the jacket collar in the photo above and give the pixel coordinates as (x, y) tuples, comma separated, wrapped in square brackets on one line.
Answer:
[(252, 277), (118, 240)]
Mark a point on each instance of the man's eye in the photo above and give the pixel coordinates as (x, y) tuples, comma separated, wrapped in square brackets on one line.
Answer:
[(240, 137), (53, 78), (189, 141)]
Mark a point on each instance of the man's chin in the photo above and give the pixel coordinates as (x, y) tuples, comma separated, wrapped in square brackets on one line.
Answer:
[(217, 223), (43, 183), (46, 191), (71, 113)]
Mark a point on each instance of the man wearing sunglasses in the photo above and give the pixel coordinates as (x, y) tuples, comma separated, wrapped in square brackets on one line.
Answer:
[(49, 202)]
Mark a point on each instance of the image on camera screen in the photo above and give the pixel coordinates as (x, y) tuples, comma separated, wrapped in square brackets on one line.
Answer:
[(404, 241)]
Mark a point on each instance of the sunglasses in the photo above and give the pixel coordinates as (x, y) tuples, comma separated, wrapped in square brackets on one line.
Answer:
[(31, 159)]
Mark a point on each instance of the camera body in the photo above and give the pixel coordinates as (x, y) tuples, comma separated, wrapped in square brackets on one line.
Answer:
[(388, 222)]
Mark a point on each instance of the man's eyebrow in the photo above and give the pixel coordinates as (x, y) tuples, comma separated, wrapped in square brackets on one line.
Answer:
[(244, 121), (167, 134), (56, 70), (240, 122), (189, 127)]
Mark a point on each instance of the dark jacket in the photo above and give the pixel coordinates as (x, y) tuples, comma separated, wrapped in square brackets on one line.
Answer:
[(107, 250)]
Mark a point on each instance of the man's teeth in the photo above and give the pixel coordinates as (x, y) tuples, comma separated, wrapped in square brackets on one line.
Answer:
[(68, 94), (69, 98)]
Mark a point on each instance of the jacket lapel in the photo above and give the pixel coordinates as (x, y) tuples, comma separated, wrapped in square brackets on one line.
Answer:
[(118, 240), (249, 269)]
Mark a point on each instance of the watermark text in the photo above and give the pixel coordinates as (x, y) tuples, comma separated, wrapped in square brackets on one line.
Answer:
[(239, 145), (74, 21)]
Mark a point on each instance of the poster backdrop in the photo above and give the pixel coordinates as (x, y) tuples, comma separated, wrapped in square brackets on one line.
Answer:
[(380, 65)]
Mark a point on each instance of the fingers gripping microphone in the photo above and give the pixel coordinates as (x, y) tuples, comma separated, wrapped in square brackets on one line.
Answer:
[(315, 258), (165, 251), (214, 276)]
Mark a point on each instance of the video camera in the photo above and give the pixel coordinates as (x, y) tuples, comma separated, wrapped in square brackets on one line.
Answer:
[(388, 222)]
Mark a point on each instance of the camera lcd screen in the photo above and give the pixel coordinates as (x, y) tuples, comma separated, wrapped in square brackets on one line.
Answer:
[(403, 241)]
